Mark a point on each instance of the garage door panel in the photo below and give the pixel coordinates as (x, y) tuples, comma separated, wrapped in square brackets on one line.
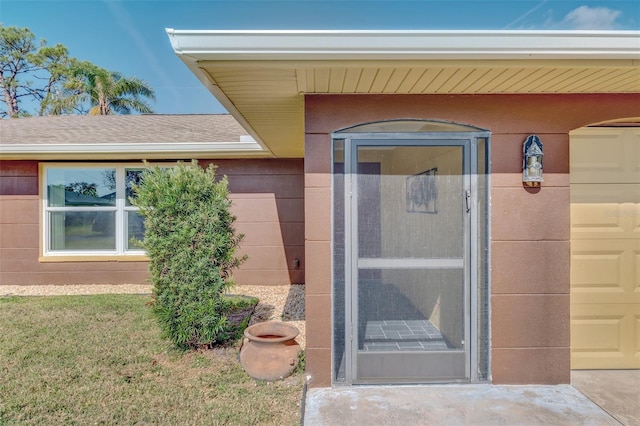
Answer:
[(608, 327), (605, 221), (637, 328), (605, 155), (605, 248), (605, 193), (605, 336), (605, 271), (636, 290)]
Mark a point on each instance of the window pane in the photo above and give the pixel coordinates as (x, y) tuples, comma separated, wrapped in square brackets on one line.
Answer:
[(81, 187), (133, 177), (82, 231), (135, 230)]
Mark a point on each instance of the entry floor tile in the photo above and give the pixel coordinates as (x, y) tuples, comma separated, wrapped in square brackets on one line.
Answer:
[(403, 335)]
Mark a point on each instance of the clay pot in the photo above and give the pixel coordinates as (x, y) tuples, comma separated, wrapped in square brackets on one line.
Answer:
[(270, 351)]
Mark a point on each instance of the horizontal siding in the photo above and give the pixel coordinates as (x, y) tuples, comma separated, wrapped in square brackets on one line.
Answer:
[(281, 186), (266, 233), (77, 277), (19, 235), (268, 278), (18, 253), (13, 185), (18, 178), (267, 199), (255, 167), (18, 209), (261, 210), (18, 168), (12, 264), (272, 257)]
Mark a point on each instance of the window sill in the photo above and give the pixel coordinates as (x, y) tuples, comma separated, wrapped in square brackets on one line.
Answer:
[(99, 258)]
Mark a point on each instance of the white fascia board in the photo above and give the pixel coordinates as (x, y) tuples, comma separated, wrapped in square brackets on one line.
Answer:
[(202, 45), (147, 150)]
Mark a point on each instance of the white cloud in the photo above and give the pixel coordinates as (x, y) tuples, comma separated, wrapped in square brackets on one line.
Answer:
[(592, 18)]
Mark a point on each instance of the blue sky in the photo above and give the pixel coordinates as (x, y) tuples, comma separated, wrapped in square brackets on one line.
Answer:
[(129, 35)]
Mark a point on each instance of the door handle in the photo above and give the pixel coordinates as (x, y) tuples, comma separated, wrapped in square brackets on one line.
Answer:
[(467, 197)]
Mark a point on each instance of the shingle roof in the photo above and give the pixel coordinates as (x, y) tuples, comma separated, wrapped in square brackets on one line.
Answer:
[(83, 129), (82, 137)]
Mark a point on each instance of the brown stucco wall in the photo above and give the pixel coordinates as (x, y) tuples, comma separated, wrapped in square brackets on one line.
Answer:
[(530, 251), (267, 200)]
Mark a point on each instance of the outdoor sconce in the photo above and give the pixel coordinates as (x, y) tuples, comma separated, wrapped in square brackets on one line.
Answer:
[(532, 161)]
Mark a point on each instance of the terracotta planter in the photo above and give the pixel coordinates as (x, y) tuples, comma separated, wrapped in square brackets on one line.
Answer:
[(270, 351)]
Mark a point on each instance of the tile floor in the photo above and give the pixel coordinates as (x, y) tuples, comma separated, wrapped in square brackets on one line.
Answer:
[(402, 335)]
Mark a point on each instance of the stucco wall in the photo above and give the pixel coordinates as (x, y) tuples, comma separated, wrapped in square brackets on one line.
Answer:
[(267, 200), (530, 228)]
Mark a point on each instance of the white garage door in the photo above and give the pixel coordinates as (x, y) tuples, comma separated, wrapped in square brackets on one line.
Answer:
[(605, 248)]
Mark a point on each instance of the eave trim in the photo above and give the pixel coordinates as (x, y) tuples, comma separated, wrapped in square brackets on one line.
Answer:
[(199, 45), (120, 150)]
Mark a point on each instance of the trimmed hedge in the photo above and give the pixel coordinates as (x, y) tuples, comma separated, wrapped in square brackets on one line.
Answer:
[(191, 243)]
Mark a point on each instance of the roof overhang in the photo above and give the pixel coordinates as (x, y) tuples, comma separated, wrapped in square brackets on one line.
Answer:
[(260, 77)]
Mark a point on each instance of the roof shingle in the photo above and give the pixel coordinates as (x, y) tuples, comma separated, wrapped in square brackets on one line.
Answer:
[(146, 128)]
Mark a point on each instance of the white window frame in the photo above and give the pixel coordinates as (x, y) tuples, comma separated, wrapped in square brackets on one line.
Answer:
[(121, 211)]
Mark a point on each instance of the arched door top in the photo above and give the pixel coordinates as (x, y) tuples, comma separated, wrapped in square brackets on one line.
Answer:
[(409, 126)]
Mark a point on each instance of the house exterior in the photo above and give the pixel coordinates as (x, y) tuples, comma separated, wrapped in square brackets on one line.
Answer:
[(58, 237), (427, 257), (396, 194)]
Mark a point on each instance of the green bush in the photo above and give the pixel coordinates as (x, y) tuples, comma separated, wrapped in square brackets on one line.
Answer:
[(191, 244)]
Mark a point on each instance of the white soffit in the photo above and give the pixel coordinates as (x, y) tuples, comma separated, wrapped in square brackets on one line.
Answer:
[(259, 76)]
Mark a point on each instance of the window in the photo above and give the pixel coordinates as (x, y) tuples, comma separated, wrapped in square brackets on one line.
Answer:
[(87, 210)]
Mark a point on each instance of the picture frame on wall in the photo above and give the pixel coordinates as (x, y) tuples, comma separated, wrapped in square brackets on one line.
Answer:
[(422, 192)]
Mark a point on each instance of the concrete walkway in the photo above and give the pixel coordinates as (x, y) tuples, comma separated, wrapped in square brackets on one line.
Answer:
[(471, 405), (615, 391)]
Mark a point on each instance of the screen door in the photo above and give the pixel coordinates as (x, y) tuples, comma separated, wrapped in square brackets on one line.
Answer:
[(407, 258)]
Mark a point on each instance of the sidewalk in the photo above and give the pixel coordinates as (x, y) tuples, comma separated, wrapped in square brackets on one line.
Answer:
[(482, 404)]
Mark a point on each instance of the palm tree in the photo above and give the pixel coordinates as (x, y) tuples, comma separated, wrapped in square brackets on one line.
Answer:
[(109, 92)]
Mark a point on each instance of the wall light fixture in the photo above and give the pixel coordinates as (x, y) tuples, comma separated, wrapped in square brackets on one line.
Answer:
[(532, 153)]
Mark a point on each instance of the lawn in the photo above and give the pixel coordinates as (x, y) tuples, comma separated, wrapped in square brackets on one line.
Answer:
[(100, 360)]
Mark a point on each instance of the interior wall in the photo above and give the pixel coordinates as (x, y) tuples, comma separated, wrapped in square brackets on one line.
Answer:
[(530, 249), (267, 198), (427, 235)]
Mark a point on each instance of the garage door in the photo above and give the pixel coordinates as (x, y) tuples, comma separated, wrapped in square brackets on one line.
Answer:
[(605, 248)]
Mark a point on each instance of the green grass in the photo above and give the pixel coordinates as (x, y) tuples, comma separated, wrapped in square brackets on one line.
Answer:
[(100, 360)]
